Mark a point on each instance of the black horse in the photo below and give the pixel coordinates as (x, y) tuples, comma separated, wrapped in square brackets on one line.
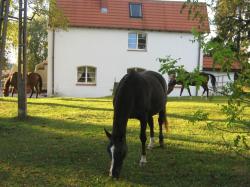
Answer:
[(204, 82), (139, 95)]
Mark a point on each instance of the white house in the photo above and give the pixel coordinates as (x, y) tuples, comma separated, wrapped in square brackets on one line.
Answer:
[(106, 38)]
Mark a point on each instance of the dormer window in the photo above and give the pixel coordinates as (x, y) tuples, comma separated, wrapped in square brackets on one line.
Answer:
[(135, 10), (104, 10)]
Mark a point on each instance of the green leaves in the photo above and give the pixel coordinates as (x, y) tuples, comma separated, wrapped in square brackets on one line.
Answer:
[(37, 42), (199, 115), (168, 65)]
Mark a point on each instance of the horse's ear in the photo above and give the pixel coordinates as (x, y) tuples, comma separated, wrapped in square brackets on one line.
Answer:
[(108, 134)]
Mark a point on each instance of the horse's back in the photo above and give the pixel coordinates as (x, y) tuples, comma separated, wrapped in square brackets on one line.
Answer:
[(140, 92), (33, 78)]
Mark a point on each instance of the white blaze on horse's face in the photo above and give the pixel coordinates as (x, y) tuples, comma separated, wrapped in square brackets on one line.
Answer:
[(112, 148)]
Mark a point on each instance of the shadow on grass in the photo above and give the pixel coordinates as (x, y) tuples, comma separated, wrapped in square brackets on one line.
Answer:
[(245, 123), (41, 151), (195, 99), (61, 105), (101, 100), (70, 106)]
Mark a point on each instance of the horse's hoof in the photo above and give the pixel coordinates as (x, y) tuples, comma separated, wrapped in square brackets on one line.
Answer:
[(161, 145), (143, 161), (150, 147)]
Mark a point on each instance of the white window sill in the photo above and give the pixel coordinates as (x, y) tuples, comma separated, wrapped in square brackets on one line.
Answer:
[(85, 84), (140, 50)]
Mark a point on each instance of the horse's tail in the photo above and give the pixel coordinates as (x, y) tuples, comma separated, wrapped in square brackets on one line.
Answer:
[(163, 119), (166, 125), (40, 83), (213, 81)]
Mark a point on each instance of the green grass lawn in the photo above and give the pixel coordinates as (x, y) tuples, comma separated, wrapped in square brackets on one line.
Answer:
[(62, 143)]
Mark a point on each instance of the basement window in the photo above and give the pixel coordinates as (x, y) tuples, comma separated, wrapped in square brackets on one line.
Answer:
[(86, 75), (137, 41), (135, 10)]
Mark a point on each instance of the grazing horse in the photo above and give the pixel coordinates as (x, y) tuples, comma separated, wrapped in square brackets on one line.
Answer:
[(139, 95), (34, 80), (204, 83)]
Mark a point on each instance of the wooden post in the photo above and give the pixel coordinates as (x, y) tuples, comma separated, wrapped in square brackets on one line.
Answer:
[(22, 73), (4, 13)]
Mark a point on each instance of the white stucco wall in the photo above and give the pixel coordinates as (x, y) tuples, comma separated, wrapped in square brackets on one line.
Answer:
[(107, 50)]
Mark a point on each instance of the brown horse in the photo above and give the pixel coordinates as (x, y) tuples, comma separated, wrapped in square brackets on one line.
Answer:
[(34, 80)]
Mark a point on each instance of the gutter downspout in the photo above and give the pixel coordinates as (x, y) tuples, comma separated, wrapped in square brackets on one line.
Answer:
[(53, 62), (198, 63)]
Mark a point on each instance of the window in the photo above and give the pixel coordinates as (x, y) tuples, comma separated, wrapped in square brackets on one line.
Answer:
[(137, 41), (86, 75), (104, 10), (135, 10)]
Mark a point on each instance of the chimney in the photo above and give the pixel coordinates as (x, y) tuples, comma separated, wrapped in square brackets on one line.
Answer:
[(104, 6)]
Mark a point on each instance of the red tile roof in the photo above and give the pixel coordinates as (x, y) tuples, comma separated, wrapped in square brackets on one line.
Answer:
[(208, 65), (157, 15)]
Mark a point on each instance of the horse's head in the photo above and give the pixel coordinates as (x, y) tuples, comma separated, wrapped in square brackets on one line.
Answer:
[(6, 87), (117, 150), (171, 83), (6, 92)]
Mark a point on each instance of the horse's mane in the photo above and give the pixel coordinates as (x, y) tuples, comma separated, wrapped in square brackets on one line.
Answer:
[(122, 95)]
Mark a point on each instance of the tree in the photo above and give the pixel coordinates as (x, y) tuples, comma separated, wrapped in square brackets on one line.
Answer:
[(231, 44), (232, 18), (43, 14), (37, 42)]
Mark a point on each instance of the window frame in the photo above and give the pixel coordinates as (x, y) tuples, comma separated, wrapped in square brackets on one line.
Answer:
[(137, 41), (86, 82), (130, 12)]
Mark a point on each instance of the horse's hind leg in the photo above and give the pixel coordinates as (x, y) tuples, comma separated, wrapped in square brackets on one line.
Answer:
[(143, 141), (37, 91), (189, 91), (13, 91), (151, 126), (204, 89), (32, 91)]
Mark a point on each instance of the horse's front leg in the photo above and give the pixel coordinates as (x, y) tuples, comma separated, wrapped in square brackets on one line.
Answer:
[(151, 126), (182, 88), (143, 138)]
